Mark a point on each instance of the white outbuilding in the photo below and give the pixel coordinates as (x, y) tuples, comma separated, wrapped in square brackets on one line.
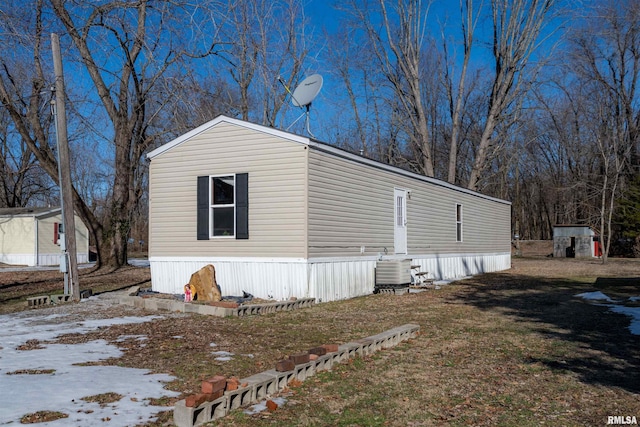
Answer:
[(30, 236)]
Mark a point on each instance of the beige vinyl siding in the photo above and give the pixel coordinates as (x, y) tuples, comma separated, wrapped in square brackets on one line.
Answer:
[(17, 235), (352, 205), (349, 207), (277, 194), (45, 235)]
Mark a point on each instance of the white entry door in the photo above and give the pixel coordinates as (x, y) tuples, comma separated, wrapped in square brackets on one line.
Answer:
[(400, 227)]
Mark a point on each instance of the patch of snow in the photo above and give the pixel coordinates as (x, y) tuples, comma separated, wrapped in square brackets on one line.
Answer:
[(222, 356), (262, 406), (139, 262), (63, 389), (213, 344), (633, 312), (139, 338), (596, 296)]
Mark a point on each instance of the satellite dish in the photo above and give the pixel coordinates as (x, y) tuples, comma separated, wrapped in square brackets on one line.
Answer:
[(307, 91), (303, 96)]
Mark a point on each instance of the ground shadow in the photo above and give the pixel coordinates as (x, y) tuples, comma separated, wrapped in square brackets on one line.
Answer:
[(606, 352)]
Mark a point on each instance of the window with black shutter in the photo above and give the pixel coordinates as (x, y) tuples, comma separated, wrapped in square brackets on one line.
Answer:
[(223, 207)]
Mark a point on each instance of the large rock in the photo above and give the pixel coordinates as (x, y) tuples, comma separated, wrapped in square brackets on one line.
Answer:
[(204, 283)]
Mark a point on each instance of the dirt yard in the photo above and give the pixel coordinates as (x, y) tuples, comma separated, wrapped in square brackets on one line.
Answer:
[(509, 348)]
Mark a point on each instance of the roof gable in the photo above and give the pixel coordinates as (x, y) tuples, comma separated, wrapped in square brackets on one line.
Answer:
[(224, 119)]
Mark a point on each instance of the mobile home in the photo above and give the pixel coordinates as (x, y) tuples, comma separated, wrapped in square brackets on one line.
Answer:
[(281, 215)]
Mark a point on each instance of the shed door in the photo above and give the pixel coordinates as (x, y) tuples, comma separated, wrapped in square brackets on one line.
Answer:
[(400, 227)]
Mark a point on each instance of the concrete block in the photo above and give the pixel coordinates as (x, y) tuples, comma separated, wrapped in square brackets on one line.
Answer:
[(351, 349), (184, 416), (282, 378), (191, 308), (323, 363), (264, 384), (177, 306), (213, 311), (367, 346), (150, 304), (38, 301), (61, 298), (219, 408), (304, 371), (164, 305), (241, 397), (224, 304)]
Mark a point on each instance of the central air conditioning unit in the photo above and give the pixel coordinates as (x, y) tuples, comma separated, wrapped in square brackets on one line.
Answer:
[(396, 273)]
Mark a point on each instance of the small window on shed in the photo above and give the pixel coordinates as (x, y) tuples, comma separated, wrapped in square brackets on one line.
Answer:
[(458, 222)]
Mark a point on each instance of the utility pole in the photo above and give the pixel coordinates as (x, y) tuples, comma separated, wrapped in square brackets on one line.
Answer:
[(64, 175)]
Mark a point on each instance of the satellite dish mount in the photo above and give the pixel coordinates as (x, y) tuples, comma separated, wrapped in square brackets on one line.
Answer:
[(303, 96)]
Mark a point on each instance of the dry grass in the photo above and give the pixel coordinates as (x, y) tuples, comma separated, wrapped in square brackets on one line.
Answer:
[(511, 348), (17, 286)]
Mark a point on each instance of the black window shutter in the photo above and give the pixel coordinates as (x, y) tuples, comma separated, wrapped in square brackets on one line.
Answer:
[(203, 208), (242, 206)]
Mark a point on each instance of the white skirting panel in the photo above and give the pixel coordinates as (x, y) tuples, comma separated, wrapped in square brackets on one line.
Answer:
[(442, 267), (331, 281), (18, 259), (54, 259), (267, 280)]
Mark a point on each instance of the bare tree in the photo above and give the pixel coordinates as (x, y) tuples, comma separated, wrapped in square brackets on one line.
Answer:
[(397, 34), (468, 23), (22, 181), (264, 39), (517, 25), (125, 49), (607, 60)]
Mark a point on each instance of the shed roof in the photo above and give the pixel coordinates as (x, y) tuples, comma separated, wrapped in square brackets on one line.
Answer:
[(313, 144), (28, 212)]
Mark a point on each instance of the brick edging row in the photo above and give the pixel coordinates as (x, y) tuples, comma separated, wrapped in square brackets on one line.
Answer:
[(158, 304), (259, 386)]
